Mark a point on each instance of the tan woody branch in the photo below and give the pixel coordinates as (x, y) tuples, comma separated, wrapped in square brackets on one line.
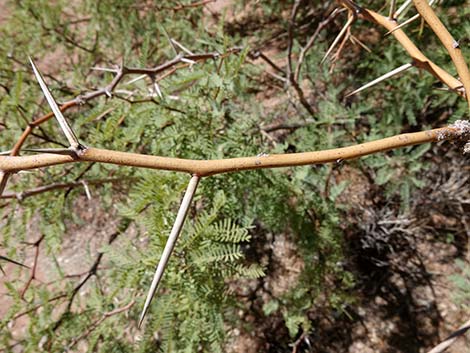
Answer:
[(10, 164)]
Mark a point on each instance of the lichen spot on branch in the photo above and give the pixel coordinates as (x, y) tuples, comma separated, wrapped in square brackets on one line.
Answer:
[(460, 129)]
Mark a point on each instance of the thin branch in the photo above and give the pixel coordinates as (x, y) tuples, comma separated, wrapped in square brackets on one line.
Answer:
[(32, 276), (98, 322), (287, 126), (441, 347), (38, 306), (3, 258), (192, 5), (451, 45), (259, 54), (290, 36), (20, 196), (312, 39), (170, 244), (179, 7)]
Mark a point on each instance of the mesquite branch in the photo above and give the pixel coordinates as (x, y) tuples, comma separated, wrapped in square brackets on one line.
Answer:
[(179, 62)]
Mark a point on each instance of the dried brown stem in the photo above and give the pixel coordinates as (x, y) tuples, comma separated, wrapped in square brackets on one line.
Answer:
[(311, 41), (192, 5), (287, 126), (36, 307), (32, 276), (290, 39)]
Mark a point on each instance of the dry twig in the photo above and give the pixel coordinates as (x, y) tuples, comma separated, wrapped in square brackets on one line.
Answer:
[(32, 276), (20, 196)]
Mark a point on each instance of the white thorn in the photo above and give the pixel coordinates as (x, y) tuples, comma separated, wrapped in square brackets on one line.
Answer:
[(87, 189), (393, 5), (71, 138), (170, 244), (401, 9), (186, 50), (338, 38), (138, 78), (381, 78), (408, 21)]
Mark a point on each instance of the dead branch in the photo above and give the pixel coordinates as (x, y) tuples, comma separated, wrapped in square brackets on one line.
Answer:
[(98, 322), (32, 276)]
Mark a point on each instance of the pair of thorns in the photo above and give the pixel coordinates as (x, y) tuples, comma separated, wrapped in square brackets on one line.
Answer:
[(76, 148)]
